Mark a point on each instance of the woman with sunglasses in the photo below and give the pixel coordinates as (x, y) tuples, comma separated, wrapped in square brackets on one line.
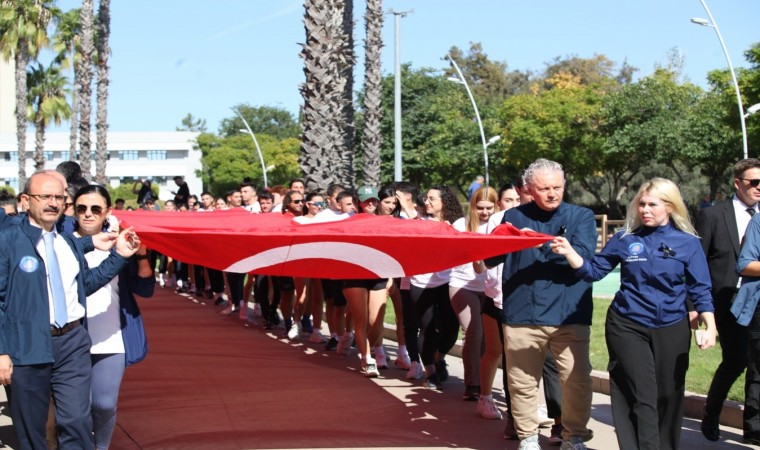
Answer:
[(113, 318)]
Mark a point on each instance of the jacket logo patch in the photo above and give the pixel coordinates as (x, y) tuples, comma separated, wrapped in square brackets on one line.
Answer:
[(636, 248), (29, 264)]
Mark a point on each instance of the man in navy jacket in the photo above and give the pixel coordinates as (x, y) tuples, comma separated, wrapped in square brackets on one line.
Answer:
[(37, 358)]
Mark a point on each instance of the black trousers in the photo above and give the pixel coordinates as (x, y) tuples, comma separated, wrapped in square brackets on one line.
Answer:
[(752, 386), (236, 282), (733, 345), (216, 280), (647, 376), (200, 278), (411, 327), (438, 323)]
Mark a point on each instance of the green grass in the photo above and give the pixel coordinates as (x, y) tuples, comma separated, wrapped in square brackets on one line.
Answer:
[(702, 363)]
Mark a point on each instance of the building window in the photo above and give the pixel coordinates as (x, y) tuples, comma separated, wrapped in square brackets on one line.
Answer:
[(48, 155), (156, 154), (65, 155), (129, 155), (12, 182), (11, 156)]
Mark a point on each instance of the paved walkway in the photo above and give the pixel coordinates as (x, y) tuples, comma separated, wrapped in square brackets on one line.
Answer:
[(216, 382)]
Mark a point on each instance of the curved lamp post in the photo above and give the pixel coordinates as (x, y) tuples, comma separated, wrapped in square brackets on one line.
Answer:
[(258, 149), (461, 80), (752, 110), (711, 23)]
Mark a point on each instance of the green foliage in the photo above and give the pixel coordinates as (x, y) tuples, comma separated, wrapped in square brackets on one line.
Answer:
[(190, 123), (269, 120)]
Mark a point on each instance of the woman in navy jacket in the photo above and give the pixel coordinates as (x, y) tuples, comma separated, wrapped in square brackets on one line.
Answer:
[(647, 328), (115, 324)]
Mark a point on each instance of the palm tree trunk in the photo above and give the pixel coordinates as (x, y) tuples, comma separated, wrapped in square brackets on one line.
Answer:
[(372, 139), (104, 32), (21, 60), (346, 62), (74, 120), (85, 89), (39, 144)]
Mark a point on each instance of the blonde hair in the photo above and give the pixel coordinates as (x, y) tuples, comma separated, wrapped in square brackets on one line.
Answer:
[(484, 194), (668, 192)]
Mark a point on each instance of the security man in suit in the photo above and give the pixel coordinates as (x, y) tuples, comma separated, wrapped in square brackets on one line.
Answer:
[(44, 346), (722, 228)]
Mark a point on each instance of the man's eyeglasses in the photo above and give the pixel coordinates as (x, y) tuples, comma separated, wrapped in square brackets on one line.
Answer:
[(96, 209), (297, 202), (317, 204), (47, 197), (754, 182)]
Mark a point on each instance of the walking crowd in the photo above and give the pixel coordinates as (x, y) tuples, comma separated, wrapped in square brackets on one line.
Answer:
[(529, 311)]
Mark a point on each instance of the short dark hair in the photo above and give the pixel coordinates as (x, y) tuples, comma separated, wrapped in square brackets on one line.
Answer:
[(93, 189), (247, 183), (344, 194), (744, 165), (333, 189), (178, 178), (120, 200), (296, 180), (266, 196), (69, 169)]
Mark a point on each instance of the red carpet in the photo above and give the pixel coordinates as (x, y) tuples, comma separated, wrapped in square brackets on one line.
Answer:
[(209, 382)]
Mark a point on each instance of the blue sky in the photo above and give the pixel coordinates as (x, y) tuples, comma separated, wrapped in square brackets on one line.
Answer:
[(173, 57)]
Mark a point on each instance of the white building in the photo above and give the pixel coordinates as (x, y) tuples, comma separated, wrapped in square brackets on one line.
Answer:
[(157, 156), (7, 97)]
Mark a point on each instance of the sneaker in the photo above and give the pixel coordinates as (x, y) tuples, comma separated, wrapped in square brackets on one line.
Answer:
[(510, 432), (295, 331), (344, 343), (555, 436), (433, 382), (487, 408), (332, 344), (529, 443), (316, 338), (415, 371), (219, 300), (382, 361), (710, 428), (306, 325), (574, 443), (471, 393), (370, 370), (403, 362), (441, 370)]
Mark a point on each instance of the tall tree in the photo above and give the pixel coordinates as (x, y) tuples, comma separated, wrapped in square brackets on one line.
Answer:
[(269, 120), (67, 44), (371, 137), (46, 100), (191, 123), (101, 123), (321, 136), (489, 80), (23, 32), (345, 61), (85, 88)]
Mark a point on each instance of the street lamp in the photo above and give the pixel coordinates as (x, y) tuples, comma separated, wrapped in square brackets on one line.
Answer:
[(461, 80), (752, 110), (711, 23), (253, 136)]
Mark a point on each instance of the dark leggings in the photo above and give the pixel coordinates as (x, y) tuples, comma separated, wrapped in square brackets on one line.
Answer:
[(438, 324), (411, 327)]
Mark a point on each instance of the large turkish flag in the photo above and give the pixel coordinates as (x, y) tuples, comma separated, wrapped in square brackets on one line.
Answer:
[(362, 246)]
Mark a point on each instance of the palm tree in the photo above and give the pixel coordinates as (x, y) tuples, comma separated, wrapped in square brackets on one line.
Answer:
[(346, 60), (372, 139), (101, 123), (67, 43), (23, 32), (46, 101), (85, 86)]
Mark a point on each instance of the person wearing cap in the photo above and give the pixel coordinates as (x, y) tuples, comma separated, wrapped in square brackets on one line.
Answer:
[(368, 199)]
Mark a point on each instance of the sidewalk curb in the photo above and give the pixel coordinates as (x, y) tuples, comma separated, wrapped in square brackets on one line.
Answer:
[(693, 404)]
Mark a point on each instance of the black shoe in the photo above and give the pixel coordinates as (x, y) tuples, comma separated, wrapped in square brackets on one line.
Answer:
[(219, 301), (751, 438), (433, 381), (441, 370), (471, 393), (710, 428), (332, 344)]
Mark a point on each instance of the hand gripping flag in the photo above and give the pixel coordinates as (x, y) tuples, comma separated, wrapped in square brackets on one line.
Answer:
[(362, 246)]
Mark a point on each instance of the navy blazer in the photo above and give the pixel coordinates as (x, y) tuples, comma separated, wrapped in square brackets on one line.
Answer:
[(24, 307)]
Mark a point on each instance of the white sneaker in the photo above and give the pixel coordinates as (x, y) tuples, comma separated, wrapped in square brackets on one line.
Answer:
[(317, 338), (256, 310), (415, 371), (344, 343), (370, 369), (403, 362), (487, 408), (529, 443), (294, 332)]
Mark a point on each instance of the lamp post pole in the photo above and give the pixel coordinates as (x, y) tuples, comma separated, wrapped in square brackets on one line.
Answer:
[(714, 25), (258, 149), (397, 15), (461, 80)]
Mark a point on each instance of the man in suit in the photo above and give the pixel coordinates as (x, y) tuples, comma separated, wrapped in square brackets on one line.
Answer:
[(722, 228), (44, 347)]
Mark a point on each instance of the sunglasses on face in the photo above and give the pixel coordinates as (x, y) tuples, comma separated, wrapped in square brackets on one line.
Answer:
[(297, 202), (754, 182), (318, 204), (96, 209)]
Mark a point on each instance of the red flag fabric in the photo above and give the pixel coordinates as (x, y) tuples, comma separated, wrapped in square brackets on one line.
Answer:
[(362, 246)]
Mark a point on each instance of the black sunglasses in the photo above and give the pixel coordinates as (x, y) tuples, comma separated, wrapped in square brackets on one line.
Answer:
[(297, 202), (754, 182), (96, 209)]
